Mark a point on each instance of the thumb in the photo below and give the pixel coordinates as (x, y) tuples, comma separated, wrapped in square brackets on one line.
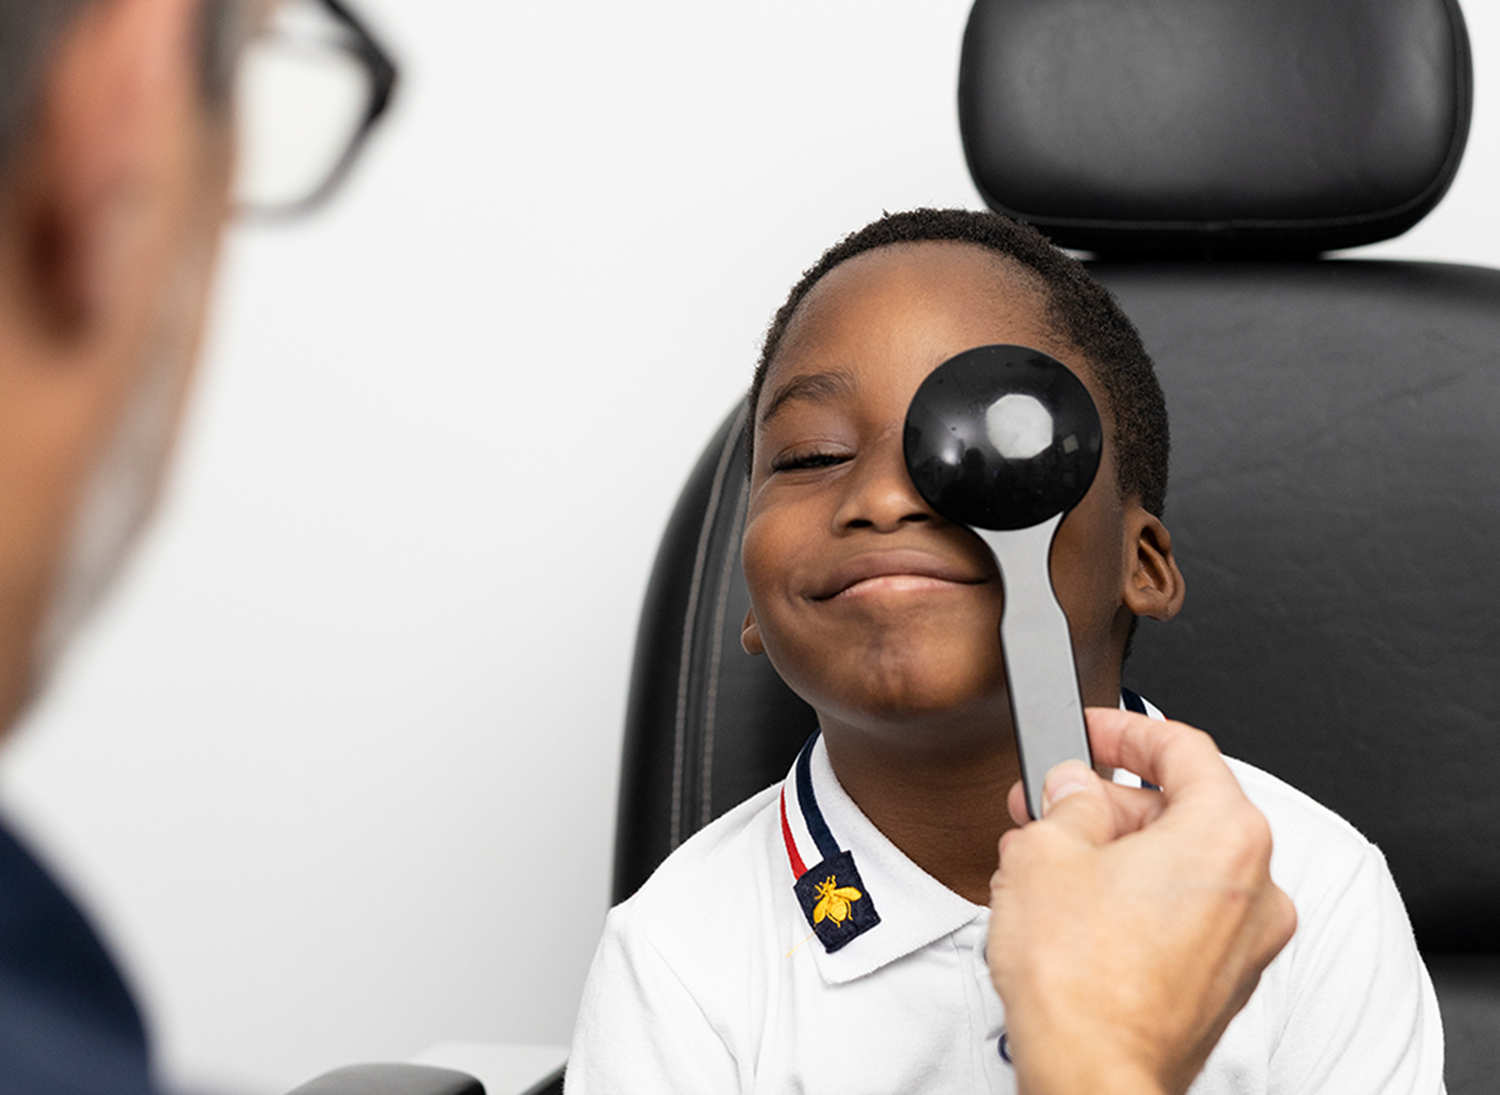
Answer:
[(1074, 798)]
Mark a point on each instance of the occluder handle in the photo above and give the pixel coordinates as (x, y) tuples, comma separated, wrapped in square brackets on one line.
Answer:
[(1045, 703)]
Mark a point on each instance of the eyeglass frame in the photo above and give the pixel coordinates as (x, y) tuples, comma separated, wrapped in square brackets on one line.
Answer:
[(384, 76)]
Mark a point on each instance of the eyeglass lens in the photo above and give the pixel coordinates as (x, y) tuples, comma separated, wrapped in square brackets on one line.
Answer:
[(308, 91)]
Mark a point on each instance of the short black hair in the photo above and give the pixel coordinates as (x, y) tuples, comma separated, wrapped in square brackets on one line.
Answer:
[(1080, 312)]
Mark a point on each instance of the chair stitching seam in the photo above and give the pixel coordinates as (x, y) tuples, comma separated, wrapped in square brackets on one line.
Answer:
[(679, 745), (716, 660)]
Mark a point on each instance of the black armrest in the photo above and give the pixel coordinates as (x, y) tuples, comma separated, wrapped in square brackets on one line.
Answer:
[(392, 1080), (552, 1085)]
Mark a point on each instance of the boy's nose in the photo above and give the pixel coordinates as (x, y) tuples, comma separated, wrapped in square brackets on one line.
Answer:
[(881, 496)]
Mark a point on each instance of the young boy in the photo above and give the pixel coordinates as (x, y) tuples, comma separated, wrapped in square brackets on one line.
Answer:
[(827, 935)]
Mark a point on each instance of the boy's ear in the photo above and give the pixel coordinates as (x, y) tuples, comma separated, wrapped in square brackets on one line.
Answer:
[(1154, 586), (750, 635)]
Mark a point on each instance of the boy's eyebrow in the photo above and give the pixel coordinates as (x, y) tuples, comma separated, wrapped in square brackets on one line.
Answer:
[(812, 387)]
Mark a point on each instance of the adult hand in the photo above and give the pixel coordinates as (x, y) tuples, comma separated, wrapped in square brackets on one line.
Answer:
[(1129, 926)]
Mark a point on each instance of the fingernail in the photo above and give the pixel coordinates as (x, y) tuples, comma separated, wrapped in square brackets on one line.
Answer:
[(1066, 779)]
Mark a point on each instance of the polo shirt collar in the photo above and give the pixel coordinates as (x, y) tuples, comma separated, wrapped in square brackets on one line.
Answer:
[(899, 909)]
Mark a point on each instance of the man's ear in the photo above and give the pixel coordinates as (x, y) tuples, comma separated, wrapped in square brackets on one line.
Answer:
[(1154, 586), (750, 635), (91, 195)]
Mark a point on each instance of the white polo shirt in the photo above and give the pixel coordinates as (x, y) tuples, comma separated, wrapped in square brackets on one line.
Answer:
[(711, 978)]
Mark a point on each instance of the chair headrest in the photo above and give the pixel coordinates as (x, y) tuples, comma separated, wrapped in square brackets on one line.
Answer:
[(1266, 128)]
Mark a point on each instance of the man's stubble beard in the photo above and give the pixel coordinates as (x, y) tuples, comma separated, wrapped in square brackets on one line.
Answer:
[(121, 491)]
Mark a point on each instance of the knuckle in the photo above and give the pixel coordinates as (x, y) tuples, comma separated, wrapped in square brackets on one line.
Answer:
[(1248, 841), (1286, 916)]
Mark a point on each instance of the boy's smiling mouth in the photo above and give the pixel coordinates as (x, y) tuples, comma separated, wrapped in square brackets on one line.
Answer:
[(894, 571)]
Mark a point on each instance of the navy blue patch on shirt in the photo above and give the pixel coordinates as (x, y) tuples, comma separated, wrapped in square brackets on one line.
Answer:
[(834, 900)]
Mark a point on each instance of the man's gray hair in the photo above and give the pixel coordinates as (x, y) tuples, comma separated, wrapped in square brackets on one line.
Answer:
[(30, 29)]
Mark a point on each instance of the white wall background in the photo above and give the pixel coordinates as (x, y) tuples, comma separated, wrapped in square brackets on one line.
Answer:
[(336, 765)]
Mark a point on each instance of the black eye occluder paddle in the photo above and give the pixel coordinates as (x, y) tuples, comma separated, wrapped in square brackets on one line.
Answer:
[(1006, 440)]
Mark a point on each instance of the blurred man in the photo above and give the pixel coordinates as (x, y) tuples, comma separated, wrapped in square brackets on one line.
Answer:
[(117, 127)]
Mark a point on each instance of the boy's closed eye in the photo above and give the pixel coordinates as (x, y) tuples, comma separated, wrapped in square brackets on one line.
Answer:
[(805, 460)]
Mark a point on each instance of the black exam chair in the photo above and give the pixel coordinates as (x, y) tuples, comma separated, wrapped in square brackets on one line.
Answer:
[(1336, 470)]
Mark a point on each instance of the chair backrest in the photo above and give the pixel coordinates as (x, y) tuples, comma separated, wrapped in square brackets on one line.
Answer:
[(1335, 507), (1336, 464), (1335, 495), (706, 725), (1214, 127)]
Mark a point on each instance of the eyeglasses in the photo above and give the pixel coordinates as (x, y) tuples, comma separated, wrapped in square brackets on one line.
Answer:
[(312, 85)]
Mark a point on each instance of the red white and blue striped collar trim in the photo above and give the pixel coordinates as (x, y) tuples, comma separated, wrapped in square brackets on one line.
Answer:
[(803, 828), (805, 832)]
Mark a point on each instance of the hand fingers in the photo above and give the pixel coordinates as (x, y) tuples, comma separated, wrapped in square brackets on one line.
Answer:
[(1076, 802), (1201, 799), (1091, 817), (1133, 807), (1090, 808), (1182, 760), (1015, 802), (1064, 780), (1172, 755)]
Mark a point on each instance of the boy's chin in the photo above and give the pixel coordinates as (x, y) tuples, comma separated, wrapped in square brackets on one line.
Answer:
[(942, 717), (904, 689)]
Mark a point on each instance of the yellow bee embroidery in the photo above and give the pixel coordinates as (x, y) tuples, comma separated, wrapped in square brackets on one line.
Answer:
[(833, 901)]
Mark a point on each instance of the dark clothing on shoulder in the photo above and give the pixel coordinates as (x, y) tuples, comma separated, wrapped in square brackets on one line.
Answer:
[(68, 1024)]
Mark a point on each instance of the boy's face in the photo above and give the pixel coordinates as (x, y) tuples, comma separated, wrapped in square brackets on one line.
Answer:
[(872, 607)]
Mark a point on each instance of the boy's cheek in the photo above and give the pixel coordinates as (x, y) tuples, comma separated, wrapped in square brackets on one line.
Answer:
[(885, 662), (767, 554), (751, 562), (765, 581)]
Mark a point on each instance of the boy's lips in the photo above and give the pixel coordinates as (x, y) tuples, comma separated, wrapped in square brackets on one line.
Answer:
[(908, 569)]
